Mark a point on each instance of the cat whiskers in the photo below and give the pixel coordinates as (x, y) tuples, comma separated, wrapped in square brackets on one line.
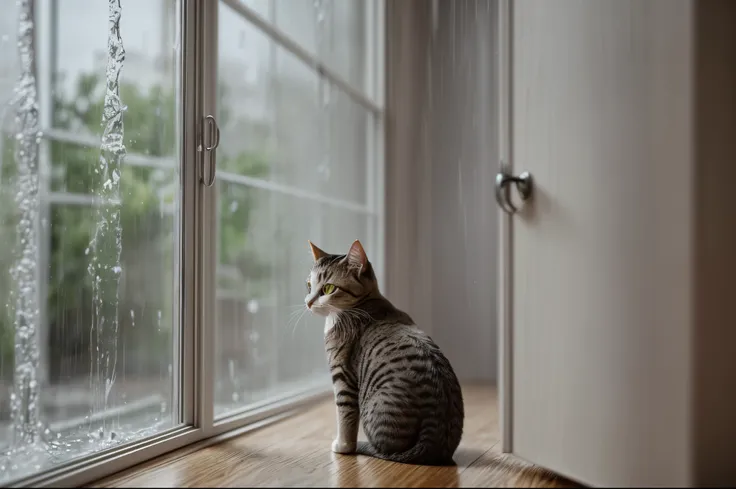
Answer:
[(295, 317)]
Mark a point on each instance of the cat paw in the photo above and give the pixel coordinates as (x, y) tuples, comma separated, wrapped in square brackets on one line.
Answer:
[(343, 447)]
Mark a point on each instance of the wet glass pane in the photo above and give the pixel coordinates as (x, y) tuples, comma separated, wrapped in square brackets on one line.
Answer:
[(89, 201), (293, 165)]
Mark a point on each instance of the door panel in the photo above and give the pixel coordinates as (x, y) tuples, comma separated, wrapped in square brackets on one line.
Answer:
[(600, 110)]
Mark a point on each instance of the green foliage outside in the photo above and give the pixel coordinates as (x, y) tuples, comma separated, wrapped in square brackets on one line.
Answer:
[(148, 195)]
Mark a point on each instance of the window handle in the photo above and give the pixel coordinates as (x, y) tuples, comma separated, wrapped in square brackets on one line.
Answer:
[(213, 131)]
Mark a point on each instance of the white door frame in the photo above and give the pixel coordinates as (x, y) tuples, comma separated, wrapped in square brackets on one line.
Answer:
[(505, 276)]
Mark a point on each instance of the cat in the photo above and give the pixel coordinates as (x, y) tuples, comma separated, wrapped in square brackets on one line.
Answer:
[(385, 371)]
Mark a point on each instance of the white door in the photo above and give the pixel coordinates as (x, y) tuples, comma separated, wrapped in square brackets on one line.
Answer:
[(599, 299)]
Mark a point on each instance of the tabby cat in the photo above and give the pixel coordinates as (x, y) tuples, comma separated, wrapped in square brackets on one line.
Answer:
[(385, 371)]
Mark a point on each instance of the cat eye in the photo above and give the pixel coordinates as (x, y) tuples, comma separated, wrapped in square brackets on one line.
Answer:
[(309, 286), (328, 289)]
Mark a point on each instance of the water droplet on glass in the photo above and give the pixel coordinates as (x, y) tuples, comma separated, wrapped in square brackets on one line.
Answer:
[(253, 306), (324, 170)]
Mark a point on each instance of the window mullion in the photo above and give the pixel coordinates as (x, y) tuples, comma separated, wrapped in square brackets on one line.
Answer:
[(195, 346), (207, 228), (44, 12)]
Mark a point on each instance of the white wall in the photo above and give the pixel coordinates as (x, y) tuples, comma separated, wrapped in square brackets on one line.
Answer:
[(442, 159)]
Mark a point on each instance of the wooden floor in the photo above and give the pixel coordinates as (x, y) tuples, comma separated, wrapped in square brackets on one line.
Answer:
[(296, 452)]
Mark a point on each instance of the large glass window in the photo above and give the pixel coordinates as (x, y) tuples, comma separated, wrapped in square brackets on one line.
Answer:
[(88, 228), (293, 165), (105, 324)]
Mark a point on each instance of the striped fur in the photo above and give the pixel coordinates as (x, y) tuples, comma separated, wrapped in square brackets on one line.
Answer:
[(385, 371)]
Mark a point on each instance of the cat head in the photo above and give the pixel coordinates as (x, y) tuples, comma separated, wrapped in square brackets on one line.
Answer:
[(339, 282)]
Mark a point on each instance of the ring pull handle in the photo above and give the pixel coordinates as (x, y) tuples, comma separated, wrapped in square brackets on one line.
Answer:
[(210, 155), (523, 183)]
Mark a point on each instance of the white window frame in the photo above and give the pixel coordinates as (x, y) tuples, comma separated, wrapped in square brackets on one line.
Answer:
[(194, 339)]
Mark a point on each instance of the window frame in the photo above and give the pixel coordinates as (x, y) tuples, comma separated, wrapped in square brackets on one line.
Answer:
[(197, 258)]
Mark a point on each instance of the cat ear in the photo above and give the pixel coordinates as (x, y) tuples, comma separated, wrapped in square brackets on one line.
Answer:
[(316, 252), (357, 257)]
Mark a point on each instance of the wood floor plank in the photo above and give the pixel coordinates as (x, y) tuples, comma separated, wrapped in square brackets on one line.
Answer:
[(296, 452), (495, 469)]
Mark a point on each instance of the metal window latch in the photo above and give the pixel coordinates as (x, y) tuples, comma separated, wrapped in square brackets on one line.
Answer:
[(523, 183), (210, 141)]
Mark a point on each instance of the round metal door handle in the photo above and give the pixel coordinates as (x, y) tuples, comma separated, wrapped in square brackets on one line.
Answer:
[(524, 185)]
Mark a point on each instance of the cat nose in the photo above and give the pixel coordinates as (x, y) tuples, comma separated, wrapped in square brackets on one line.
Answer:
[(310, 302)]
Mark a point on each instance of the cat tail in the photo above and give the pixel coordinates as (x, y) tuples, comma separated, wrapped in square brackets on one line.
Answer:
[(416, 455)]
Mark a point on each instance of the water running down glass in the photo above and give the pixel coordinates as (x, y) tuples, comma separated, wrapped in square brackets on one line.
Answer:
[(89, 198)]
